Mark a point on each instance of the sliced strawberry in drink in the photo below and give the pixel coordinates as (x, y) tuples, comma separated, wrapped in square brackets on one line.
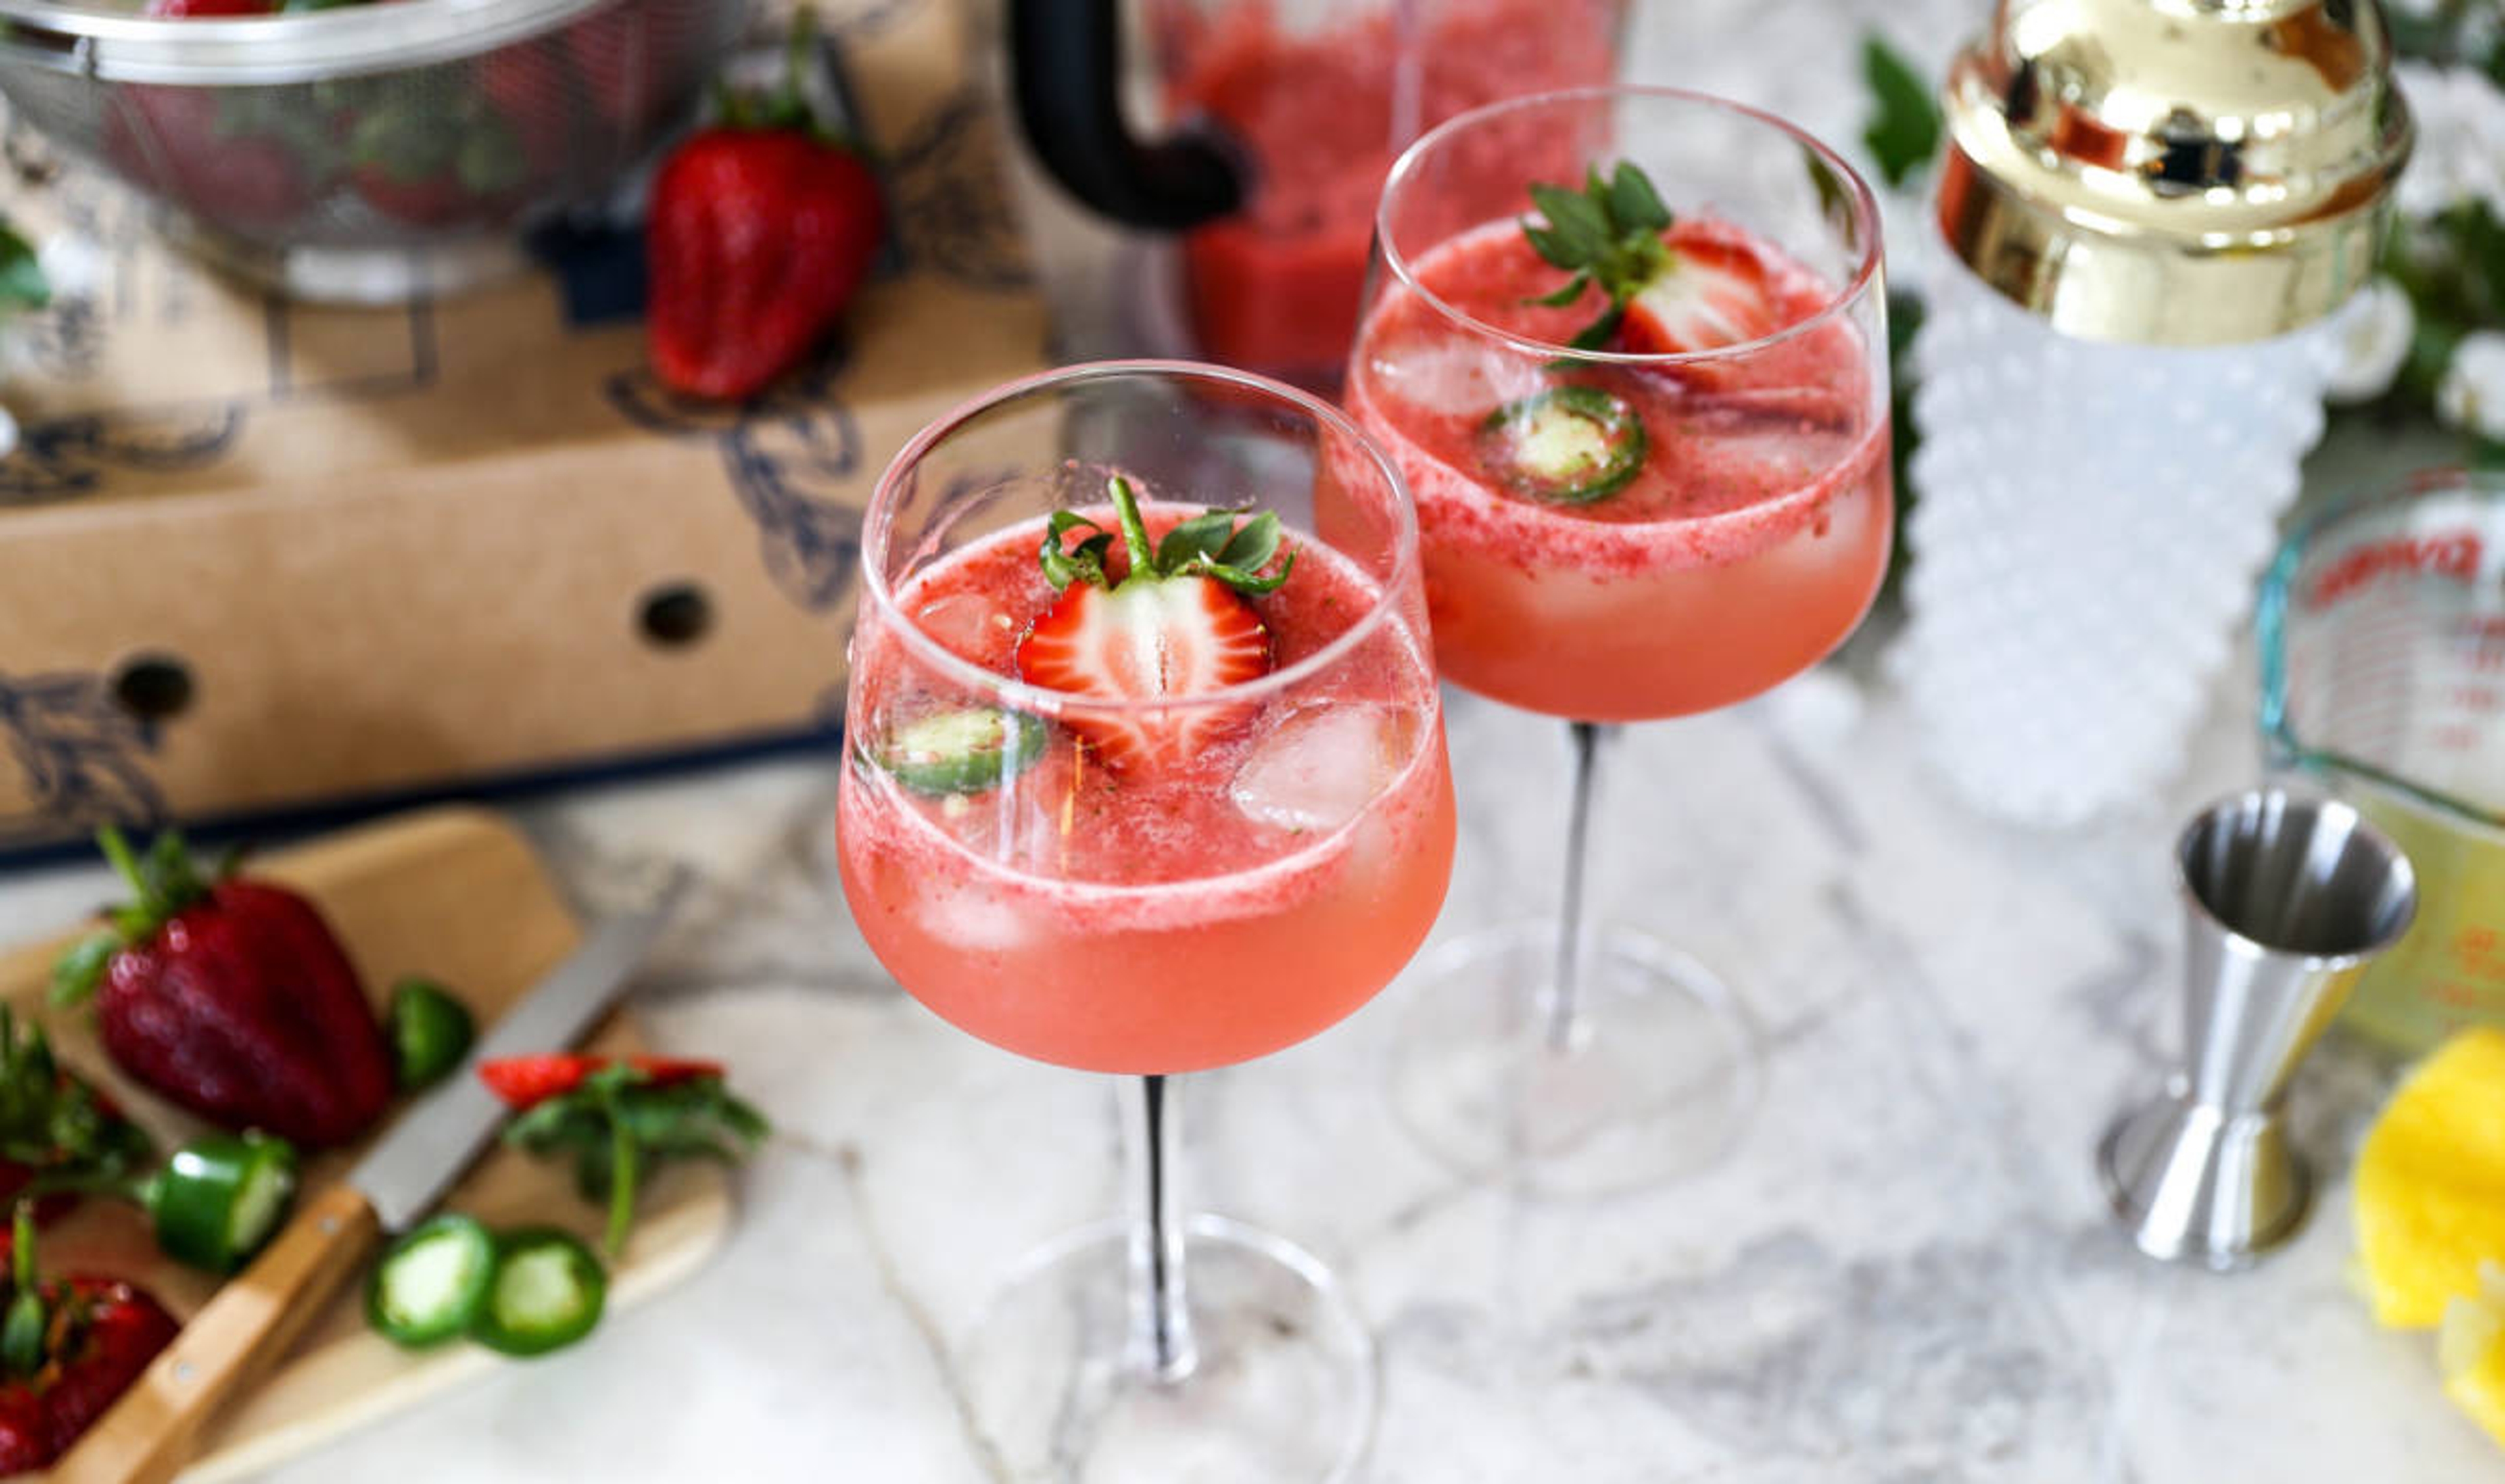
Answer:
[(1142, 641), (1175, 626), (1712, 292), (1673, 287)]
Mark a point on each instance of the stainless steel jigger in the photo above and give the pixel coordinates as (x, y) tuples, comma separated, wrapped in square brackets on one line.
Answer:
[(2286, 898)]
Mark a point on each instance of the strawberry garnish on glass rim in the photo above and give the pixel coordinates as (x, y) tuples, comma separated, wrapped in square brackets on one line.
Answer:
[(1669, 292), (1176, 625)]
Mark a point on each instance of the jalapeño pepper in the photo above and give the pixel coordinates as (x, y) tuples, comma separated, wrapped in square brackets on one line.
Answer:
[(432, 1284), (548, 1293), (1567, 446), (220, 1197), (430, 1033)]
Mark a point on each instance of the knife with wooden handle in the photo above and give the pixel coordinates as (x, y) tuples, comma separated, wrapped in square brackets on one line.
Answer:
[(152, 1432)]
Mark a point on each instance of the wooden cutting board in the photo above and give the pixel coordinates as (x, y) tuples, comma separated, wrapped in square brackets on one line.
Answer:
[(458, 896)]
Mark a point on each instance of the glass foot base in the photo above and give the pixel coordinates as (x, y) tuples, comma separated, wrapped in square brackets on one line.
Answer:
[(1656, 1079), (1284, 1391)]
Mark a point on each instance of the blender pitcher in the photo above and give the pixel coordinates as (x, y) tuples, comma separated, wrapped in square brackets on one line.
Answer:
[(2383, 653), (1279, 119)]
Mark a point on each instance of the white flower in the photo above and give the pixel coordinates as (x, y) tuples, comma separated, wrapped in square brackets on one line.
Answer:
[(2460, 149), (2371, 336), (2471, 395)]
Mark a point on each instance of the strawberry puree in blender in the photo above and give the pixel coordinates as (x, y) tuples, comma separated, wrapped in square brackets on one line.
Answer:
[(1277, 286), (1748, 546), (1171, 918)]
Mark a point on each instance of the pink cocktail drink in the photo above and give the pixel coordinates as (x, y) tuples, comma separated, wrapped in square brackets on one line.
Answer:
[(1749, 543), (1642, 400), (1145, 773), (1186, 913)]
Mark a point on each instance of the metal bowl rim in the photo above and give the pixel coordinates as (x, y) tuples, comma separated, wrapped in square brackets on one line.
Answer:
[(272, 49)]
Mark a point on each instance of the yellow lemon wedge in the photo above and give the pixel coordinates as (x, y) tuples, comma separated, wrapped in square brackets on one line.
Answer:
[(2431, 1186), (2470, 1351)]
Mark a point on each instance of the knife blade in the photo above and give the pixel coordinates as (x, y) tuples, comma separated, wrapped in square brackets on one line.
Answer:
[(151, 1430), (437, 1137)]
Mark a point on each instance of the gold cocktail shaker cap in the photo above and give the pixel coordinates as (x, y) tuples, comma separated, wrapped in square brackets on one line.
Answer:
[(2176, 172)]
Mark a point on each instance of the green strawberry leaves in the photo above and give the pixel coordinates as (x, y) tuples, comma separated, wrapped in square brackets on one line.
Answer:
[(1202, 536), (23, 1331), (162, 882), (80, 969), (1082, 563), (1210, 545), (1607, 234), (52, 1120), (1633, 200), (793, 103)]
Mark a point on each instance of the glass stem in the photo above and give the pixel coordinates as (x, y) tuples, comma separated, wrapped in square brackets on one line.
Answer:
[(1584, 739), (1161, 1343)]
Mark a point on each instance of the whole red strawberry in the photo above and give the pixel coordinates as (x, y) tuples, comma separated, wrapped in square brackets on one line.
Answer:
[(762, 227), (233, 998), (69, 1347)]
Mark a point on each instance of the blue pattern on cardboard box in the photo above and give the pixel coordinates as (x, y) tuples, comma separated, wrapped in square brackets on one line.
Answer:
[(950, 211), (58, 458), (81, 755), (786, 454)]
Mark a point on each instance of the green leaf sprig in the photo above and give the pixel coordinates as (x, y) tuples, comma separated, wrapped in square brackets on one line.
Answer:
[(1903, 132), (22, 285), (1607, 234), (1212, 544), (619, 1126)]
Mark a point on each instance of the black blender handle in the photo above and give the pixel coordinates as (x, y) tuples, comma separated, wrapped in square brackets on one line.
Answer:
[(1066, 73)]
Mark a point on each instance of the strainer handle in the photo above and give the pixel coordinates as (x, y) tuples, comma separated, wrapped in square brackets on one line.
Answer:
[(1066, 72)]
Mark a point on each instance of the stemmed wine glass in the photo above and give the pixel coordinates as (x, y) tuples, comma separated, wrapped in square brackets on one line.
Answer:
[(1146, 774), (1628, 346)]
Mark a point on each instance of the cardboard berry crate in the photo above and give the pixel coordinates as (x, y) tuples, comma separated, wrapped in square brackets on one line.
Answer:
[(259, 557)]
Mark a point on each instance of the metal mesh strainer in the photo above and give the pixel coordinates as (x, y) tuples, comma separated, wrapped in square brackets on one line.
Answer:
[(370, 152)]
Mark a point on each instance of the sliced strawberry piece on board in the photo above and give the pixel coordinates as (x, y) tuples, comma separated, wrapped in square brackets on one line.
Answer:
[(525, 1082)]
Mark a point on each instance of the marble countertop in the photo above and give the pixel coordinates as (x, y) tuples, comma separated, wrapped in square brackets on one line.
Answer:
[(1902, 1274), (1903, 1270)]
